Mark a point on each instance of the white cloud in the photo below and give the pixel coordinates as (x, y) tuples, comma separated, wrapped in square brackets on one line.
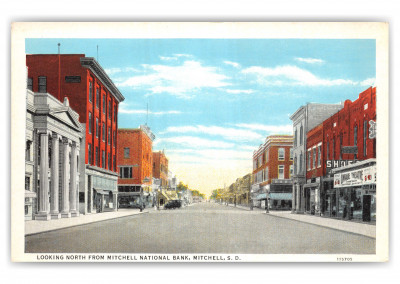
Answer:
[(292, 75), (229, 91), (234, 64), (310, 60), (225, 132), (123, 109), (112, 71), (368, 82), (168, 58), (181, 81), (273, 129), (193, 142)]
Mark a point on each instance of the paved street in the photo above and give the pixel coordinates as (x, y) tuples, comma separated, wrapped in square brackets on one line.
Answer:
[(200, 228)]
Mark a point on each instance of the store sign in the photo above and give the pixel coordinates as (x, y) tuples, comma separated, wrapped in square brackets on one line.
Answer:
[(332, 164), (357, 177)]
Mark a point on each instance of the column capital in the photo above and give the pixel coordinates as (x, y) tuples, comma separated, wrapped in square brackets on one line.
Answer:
[(55, 135), (65, 140), (42, 131)]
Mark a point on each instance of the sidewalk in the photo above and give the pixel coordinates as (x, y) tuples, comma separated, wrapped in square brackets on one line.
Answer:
[(341, 225), (36, 227)]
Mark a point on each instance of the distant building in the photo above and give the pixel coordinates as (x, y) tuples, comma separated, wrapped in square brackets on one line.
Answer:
[(160, 168), (272, 172), (135, 160), (304, 119)]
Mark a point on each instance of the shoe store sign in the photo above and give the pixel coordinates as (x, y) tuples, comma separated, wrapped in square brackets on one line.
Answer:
[(332, 164)]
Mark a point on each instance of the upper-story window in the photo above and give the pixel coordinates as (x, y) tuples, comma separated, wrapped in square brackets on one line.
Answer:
[(319, 155), (104, 104), (42, 84), (97, 127), (109, 136), (30, 84), (281, 154), (104, 132), (309, 159), (98, 97), (281, 172), (314, 158), (295, 138), (90, 91), (28, 151), (301, 135), (109, 108), (301, 163), (126, 152), (365, 138), (266, 174), (90, 123), (291, 153), (115, 113), (114, 139), (290, 171)]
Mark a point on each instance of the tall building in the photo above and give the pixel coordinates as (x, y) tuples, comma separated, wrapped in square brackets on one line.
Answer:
[(304, 119), (272, 171), (93, 95), (135, 160), (341, 165)]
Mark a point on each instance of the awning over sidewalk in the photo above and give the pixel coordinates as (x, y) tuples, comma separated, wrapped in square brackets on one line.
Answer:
[(280, 196)]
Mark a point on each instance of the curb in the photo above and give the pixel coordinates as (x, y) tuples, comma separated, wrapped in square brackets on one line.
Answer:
[(82, 224), (322, 226)]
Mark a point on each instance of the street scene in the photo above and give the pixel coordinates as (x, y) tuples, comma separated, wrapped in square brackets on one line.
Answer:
[(201, 228), (245, 146)]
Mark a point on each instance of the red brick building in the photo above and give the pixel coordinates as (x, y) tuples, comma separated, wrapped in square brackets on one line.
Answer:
[(160, 168), (135, 160), (93, 95), (328, 147), (272, 171)]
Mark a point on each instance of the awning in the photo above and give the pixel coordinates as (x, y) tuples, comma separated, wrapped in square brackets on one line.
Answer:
[(30, 194), (280, 196), (103, 191), (261, 196)]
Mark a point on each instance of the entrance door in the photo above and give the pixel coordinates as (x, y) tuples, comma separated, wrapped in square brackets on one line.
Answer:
[(366, 214)]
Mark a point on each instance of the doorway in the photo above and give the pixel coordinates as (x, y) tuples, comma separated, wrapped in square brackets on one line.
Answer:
[(366, 214)]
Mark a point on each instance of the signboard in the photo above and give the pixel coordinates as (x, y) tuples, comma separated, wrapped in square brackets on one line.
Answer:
[(355, 178), (349, 150), (332, 164), (372, 129)]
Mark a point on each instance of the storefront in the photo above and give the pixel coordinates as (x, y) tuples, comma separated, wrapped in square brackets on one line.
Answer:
[(355, 192)]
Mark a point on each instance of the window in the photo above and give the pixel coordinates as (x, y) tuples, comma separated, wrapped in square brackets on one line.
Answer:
[(291, 153), (90, 91), (42, 84), (114, 139), (30, 84), (125, 172), (109, 136), (314, 160), (355, 139), (295, 138), (327, 150), (126, 152), (97, 127), (309, 159), (365, 137), (319, 155), (290, 171), (103, 159), (295, 164), (103, 132), (104, 104), (109, 161), (98, 97), (109, 108), (281, 154), (114, 163), (90, 153), (27, 183), (90, 123), (254, 164), (301, 135), (115, 113), (301, 163), (281, 172), (28, 151), (259, 163), (97, 156), (266, 176)]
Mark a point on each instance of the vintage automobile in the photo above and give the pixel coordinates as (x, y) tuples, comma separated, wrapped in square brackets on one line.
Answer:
[(125, 203), (172, 204)]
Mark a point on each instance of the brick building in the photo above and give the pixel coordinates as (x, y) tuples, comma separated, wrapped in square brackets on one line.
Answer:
[(93, 95), (272, 172), (135, 160), (304, 119), (160, 168)]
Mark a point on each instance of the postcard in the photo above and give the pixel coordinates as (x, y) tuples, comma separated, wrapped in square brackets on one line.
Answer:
[(200, 142)]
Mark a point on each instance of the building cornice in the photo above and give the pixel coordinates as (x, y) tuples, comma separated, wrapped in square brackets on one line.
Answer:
[(94, 66)]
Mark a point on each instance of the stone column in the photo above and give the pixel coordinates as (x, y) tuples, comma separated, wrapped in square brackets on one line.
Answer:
[(293, 198), (54, 191), (73, 182), (43, 210), (64, 183), (298, 198)]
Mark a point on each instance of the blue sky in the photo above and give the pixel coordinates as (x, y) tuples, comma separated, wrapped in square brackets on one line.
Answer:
[(213, 101)]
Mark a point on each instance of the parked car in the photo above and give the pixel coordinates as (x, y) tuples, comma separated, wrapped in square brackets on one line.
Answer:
[(172, 204), (123, 203)]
